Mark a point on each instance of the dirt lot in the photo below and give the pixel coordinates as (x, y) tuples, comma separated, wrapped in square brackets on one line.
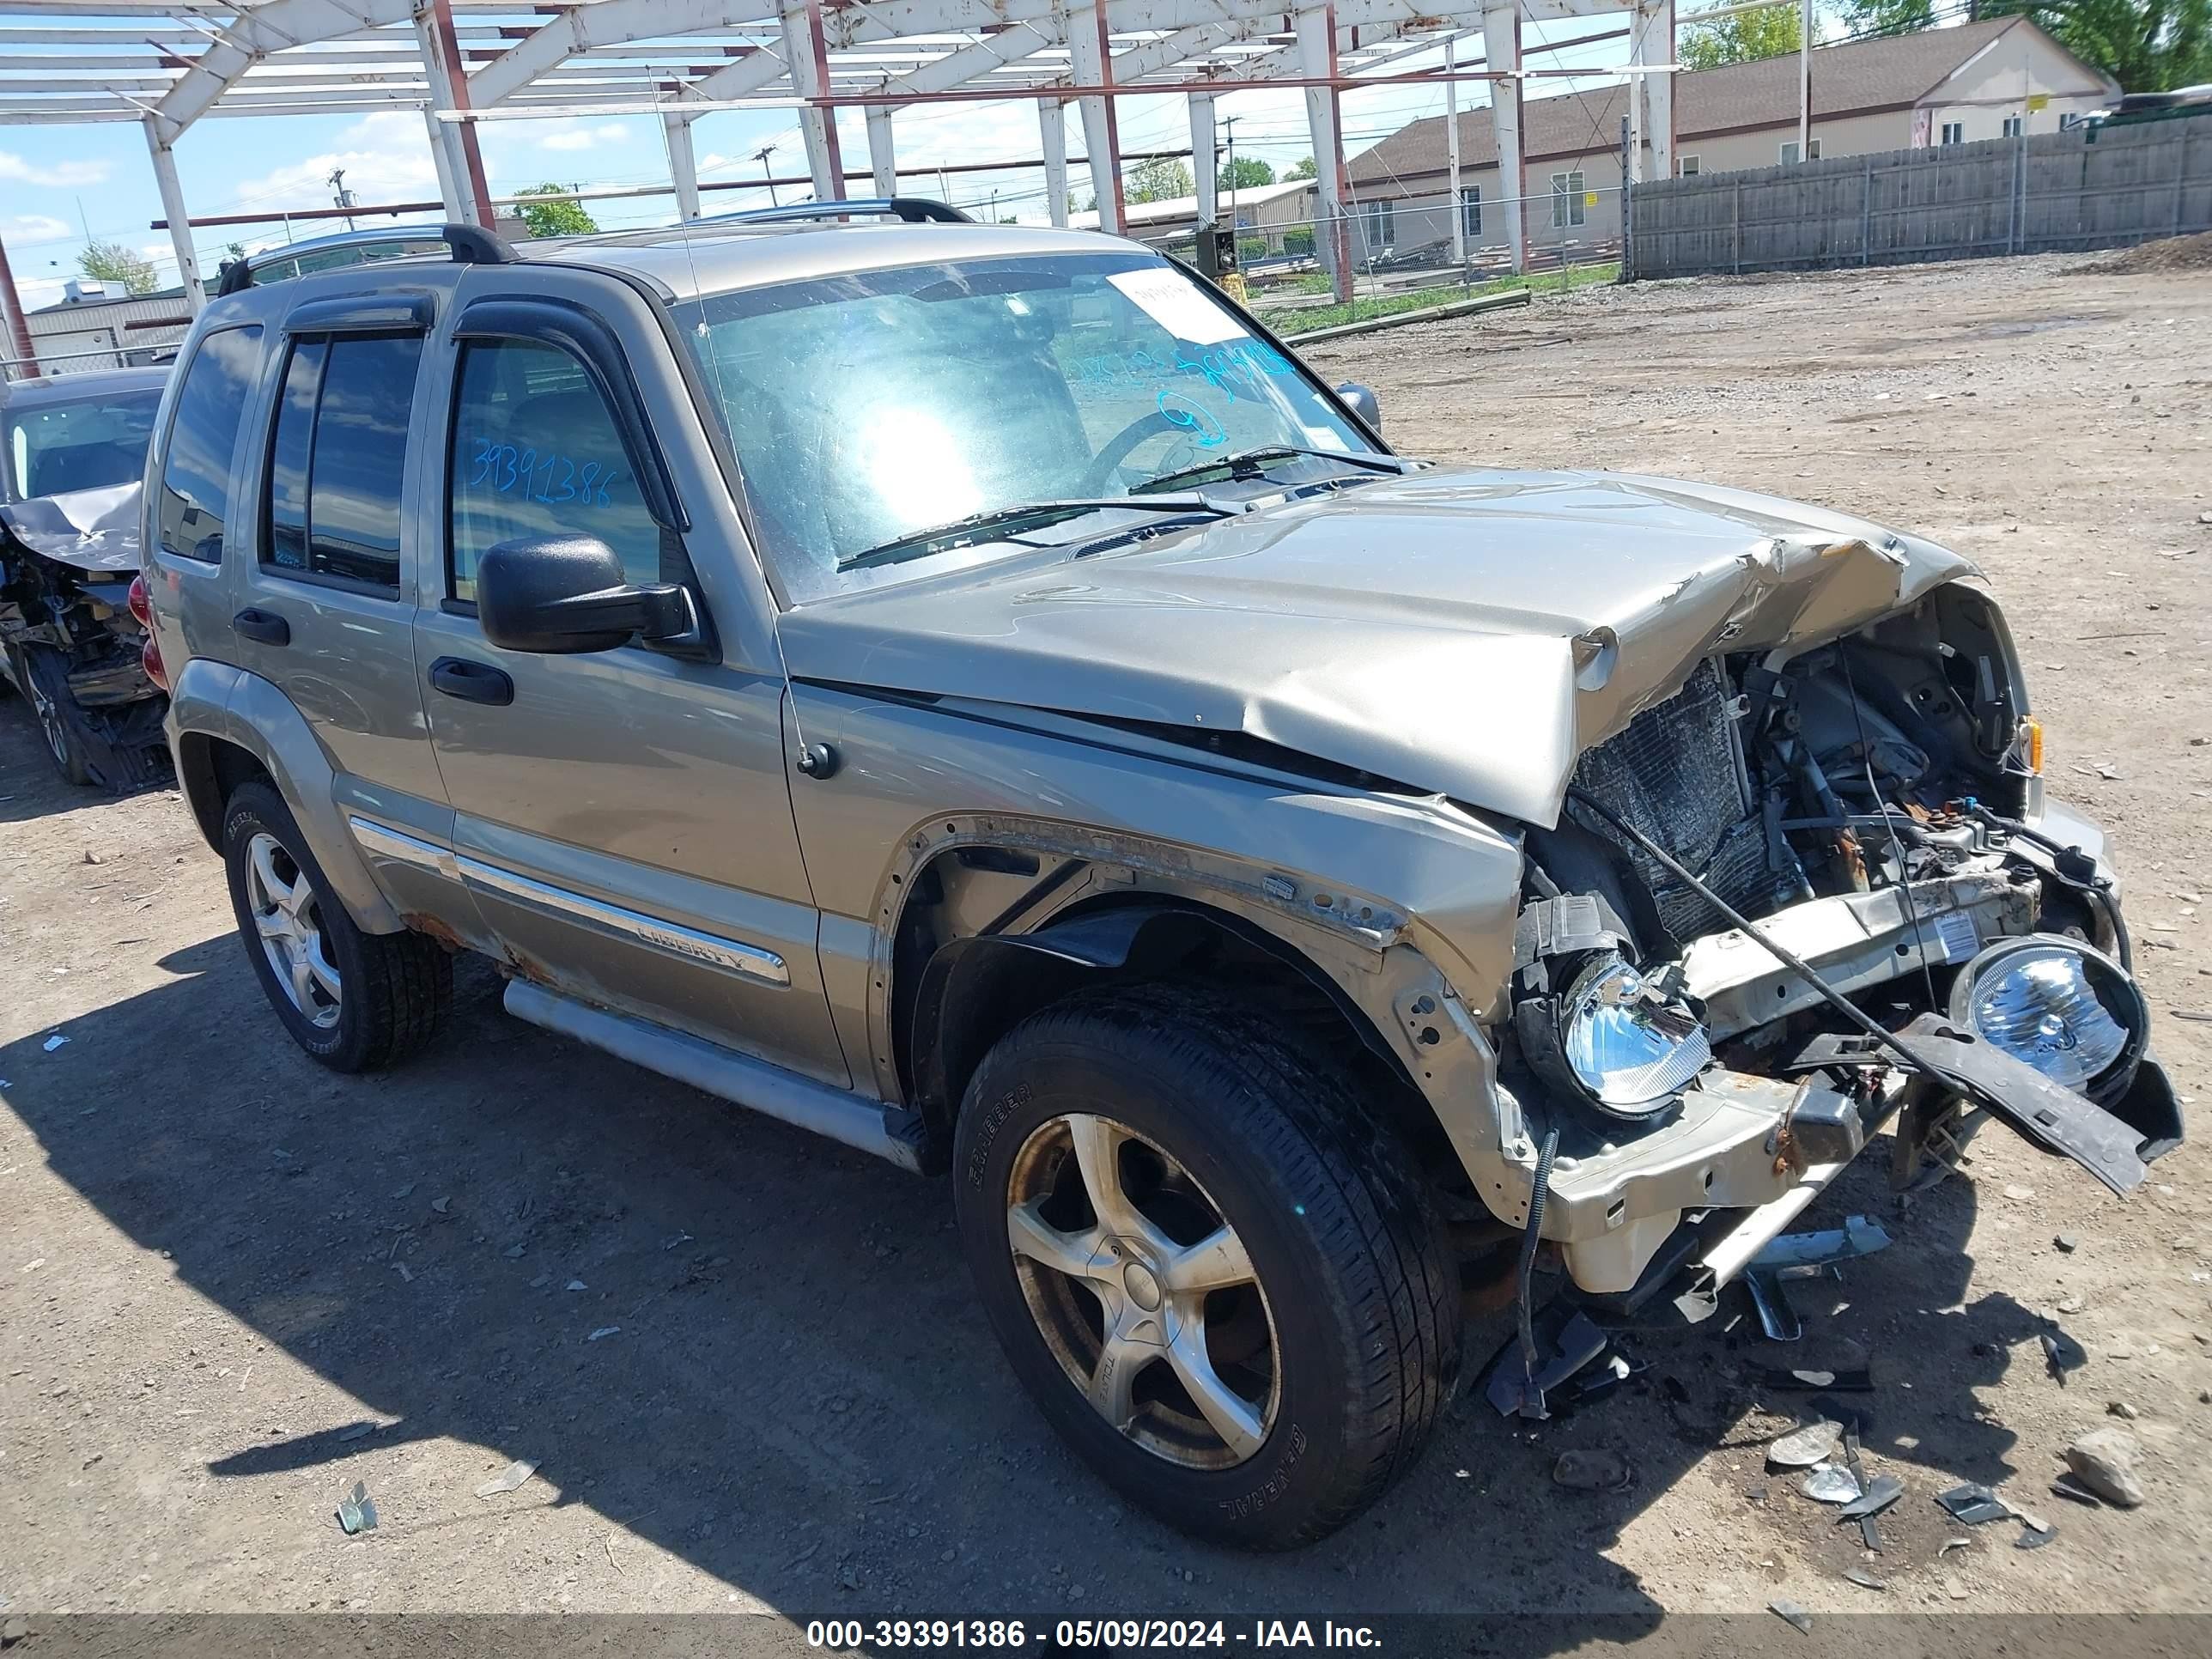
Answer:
[(231, 1284)]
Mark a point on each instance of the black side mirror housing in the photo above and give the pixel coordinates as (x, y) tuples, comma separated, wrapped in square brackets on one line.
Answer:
[(562, 595), (1364, 405)]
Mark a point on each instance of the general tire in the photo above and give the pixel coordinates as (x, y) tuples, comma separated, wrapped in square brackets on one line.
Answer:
[(396, 988), (1338, 1229)]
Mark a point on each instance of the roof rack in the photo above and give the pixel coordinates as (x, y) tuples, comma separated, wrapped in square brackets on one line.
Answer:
[(913, 209), (468, 245)]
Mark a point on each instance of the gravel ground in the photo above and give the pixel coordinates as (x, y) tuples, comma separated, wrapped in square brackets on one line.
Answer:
[(231, 1284)]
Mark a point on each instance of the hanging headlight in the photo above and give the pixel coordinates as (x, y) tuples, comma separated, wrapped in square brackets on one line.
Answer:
[(2053, 1003), (1629, 1042)]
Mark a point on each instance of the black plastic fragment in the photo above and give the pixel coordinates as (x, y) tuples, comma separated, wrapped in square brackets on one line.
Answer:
[(1973, 1504)]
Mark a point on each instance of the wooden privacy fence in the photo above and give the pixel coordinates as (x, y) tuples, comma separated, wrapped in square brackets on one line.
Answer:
[(2089, 187)]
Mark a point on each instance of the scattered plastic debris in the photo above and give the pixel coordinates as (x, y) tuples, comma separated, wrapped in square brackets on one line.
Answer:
[(1803, 1448), (408, 1191), (1828, 1483), (1592, 1471), (1973, 1505), (2067, 1486), (603, 1330), (1804, 1256), (1864, 1579), (1950, 1544), (1574, 1341), (1858, 1380), (1881, 1492), (508, 1479), (1792, 1614), (357, 1431), (513, 1252), (55, 1042), (575, 1284), (357, 1511), (440, 1205)]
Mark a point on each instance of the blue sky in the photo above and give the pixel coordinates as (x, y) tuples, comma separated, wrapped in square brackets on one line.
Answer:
[(57, 182)]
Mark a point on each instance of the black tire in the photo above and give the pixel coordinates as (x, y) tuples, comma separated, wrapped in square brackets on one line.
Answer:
[(1338, 1229), (395, 988), (44, 677)]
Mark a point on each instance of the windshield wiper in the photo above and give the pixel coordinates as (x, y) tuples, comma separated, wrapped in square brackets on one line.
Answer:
[(999, 523), (1246, 464)]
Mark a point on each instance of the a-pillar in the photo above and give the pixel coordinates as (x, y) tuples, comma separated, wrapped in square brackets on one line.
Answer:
[(1659, 94), (1317, 29), (1204, 168), (1052, 124), (882, 158), (683, 165), (1102, 138), (1501, 43), (172, 208), (809, 59)]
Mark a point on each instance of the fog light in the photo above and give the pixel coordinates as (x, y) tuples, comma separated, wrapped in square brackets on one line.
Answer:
[(2054, 1004), (1630, 1044)]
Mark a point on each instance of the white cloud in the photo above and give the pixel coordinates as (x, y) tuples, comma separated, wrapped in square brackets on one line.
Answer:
[(39, 292), (25, 230), (575, 134), (385, 155), (61, 175)]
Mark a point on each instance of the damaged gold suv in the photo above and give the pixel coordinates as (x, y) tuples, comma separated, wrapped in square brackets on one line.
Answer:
[(971, 692)]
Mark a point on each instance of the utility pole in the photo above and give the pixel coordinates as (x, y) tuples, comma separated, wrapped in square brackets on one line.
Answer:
[(1805, 84), (1229, 127), (340, 196), (762, 155)]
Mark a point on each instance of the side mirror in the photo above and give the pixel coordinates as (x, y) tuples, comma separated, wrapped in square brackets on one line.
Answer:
[(1362, 399), (565, 594)]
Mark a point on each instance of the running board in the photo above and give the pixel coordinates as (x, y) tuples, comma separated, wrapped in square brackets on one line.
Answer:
[(863, 1125)]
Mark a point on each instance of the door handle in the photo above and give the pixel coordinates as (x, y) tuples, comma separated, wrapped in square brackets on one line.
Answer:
[(265, 627), (472, 682)]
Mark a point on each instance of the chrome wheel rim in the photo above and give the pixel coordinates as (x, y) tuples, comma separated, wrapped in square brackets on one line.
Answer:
[(49, 713), (288, 919), (1143, 1292)]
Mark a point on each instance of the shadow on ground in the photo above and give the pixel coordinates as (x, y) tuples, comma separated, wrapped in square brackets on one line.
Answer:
[(802, 1398)]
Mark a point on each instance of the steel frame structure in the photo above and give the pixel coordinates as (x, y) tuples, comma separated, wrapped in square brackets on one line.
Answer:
[(169, 64)]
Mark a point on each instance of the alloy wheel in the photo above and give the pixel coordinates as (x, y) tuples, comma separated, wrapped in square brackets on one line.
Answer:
[(288, 919), (1143, 1291)]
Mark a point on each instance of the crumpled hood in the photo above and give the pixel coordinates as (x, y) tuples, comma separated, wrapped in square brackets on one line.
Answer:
[(93, 530), (1469, 632)]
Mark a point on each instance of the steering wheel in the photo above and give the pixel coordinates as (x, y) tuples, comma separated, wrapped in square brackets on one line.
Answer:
[(1120, 447)]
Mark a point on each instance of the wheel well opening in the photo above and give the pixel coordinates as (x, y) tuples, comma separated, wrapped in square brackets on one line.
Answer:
[(209, 769), (966, 994)]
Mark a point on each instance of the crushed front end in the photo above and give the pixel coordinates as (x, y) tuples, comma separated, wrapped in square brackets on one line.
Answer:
[(1817, 888)]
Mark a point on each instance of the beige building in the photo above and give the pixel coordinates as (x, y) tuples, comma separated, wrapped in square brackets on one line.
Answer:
[(1987, 80), (1268, 211)]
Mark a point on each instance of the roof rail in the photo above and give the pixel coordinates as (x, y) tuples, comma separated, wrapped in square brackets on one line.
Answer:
[(913, 209), (469, 245)]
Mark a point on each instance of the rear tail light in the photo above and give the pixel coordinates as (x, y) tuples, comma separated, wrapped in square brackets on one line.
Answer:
[(150, 653)]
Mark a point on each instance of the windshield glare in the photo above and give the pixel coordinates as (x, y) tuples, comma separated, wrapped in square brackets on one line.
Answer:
[(55, 448), (868, 407)]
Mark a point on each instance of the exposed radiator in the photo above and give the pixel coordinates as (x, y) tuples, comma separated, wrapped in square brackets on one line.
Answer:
[(1673, 775)]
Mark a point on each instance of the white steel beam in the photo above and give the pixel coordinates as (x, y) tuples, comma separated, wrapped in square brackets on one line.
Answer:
[(1205, 170), (251, 36), (579, 29), (1659, 94), (172, 209), (683, 169), (882, 152), (448, 89), (1501, 43), (1087, 48), (1451, 151), (442, 158), (1316, 30), (1052, 124), (806, 51)]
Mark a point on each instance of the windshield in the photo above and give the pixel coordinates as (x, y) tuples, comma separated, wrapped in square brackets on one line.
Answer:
[(876, 406), (55, 448)]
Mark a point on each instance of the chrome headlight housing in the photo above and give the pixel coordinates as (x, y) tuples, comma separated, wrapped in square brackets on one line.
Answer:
[(1627, 1042), (2054, 1003)]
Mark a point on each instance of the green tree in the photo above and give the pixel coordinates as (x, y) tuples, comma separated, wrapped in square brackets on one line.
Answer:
[(1161, 180), (1865, 17), (1743, 39), (2147, 45), (111, 262), (562, 216), (1304, 169), (1246, 173)]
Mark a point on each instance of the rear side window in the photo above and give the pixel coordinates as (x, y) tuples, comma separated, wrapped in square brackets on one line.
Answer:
[(337, 456), (536, 453), (195, 498)]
